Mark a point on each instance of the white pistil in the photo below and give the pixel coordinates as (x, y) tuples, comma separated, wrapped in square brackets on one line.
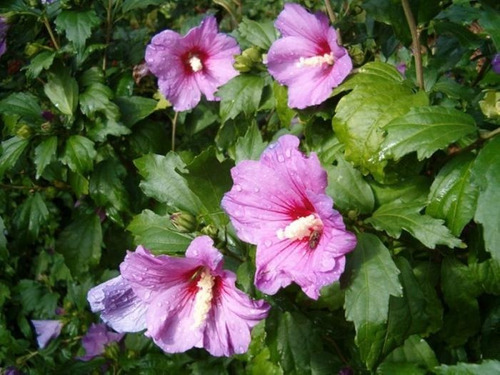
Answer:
[(300, 228), (327, 58), (195, 63), (203, 299)]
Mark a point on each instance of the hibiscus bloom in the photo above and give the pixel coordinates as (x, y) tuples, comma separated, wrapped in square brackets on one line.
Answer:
[(185, 302), (96, 339), (187, 66), (307, 58), (46, 330), (279, 204)]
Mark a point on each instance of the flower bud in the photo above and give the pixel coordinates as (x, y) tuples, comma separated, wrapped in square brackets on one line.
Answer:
[(184, 222), (209, 230), (24, 132), (357, 54), (250, 58)]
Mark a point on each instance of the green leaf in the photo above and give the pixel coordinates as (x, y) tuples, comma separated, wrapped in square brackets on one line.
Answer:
[(295, 344), (96, 98), (79, 154), (79, 184), (77, 25), (348, 188), (163, 182), (24, 105), (44, 154), (241, 94), (361, 116), (407, 190), (425, 130), (414, 351), (489, 19), (486, 176), (12, 149), (396, 216), (250, 146), (157, 233), (106, 185), (487, 275), (80, 243), (42, 61), (62, 90), (100, 128), (285, 113), (452, 196), (3, 241), (488, 366), (260, 34), (462, 318), (210, 179), (129, 5), (31, 216), (135, 108), (374, 279)]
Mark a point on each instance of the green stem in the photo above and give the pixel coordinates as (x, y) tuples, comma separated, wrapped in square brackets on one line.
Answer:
[(490, 134), (109, 20), (51, 33), (415, 42), (174, 125), (331, 15)]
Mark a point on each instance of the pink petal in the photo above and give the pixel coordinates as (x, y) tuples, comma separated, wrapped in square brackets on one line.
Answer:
[(149, 275), (202, 249), (294, 20), (202, 35), (163, 54), (46, 330), (120, 308)]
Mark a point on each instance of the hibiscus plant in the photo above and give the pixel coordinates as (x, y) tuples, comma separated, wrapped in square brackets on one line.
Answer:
[(249, 187)]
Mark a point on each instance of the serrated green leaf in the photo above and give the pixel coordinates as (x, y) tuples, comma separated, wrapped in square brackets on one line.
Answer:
[(407, 190), (452, 196), (260, 34), (44, 154), (36, 299), (31, 216), (96, 98), (250, 146), (487, 275), (135, 108), (42, 61), (414, 351), (488, 366), (295, 344), (12, 149), (62, 90), (24, 105), (374, 279), (489, 19), (79, 184), (210, 179), (360, 117), (157, 233), (486, 176), (163, 182), (285, 113), (79, 154), (396, 216), (425, 130), (77, 25), (101, 128), (348, 188), (240, 95), (129, 5), (462, 318), (106, 185), (80, 243)]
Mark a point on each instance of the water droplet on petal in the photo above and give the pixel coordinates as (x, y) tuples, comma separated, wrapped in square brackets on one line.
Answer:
[(256, 189), (237, 187), (288, 153), (281, 159), (268, 243)]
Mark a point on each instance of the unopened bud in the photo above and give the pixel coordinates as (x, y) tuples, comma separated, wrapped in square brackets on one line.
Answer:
[(24, 132), (250, 58), (184, 222), (356, 53), (209, 230)]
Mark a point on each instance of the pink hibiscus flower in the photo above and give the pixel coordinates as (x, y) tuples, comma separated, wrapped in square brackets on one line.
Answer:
[(183, 302), (96, 339), (187, 66), (46, 330), (279, 204), (307, 58)]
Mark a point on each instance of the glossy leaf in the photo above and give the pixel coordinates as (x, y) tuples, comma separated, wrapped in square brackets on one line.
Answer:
[(45, 152), (42, 61), (250, 146), (24, 105), (452, 196), (240, 95), (396, 216), (414, 351), (425, 130), (79, 154), (486, 176), (62, 90), (31, 216), (157, 233), (163, 182), (260, 34), (77, 25), (135, 108), (12, 149)]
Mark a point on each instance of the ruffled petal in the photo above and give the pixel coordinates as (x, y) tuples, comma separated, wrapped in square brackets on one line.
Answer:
[(201, 36), (202, 249), (46, 330), (149, 275), (119, 306), (230, 321), (181, 90), (171, 320), (163, 55), (294, 20)]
